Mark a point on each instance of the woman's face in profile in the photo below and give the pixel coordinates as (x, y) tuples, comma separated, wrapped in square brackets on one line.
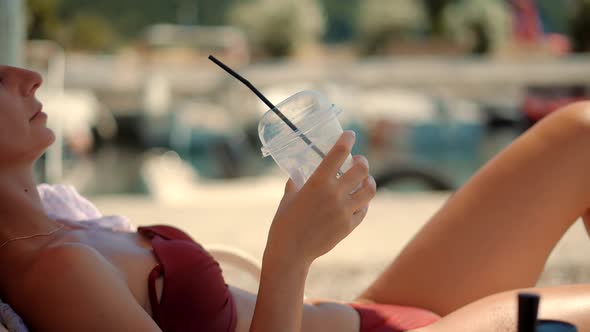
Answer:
[(23, 131)]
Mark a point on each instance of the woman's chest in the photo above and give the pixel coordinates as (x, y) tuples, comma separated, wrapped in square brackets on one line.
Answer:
[(130, 253)]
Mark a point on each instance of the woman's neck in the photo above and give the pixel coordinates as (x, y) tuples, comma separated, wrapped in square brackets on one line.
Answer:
[(21, 210)]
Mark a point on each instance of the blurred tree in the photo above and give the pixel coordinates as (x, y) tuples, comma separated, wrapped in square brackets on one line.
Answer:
[(278, 28), (130, 17), (580, 26), (42, 19), (202, 12), (341, 17), (91, 32), (555, 18), (435, 10), (481, 26), (382, 21), (127, 17), (213, 12)]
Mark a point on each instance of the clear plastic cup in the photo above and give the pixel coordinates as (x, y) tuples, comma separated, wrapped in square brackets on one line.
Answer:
[(316, 118)]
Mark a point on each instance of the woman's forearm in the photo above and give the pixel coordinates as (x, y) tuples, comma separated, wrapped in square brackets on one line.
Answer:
[(279, 303), (309, 222)]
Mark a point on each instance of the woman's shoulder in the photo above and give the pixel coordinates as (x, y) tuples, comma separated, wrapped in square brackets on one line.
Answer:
[(77, 277), (50, 269), (56, 266), (58, 259)]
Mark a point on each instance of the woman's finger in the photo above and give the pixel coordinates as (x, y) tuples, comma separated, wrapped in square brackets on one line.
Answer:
[(290, 187), (359, 171), (359, 215), (364, 194), (331, 164)]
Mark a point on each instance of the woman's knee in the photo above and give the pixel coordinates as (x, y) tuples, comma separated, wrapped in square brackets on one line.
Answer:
[(572, 120)]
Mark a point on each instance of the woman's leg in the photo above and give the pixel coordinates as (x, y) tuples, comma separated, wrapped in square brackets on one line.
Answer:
[(497, 313), (496, 233)]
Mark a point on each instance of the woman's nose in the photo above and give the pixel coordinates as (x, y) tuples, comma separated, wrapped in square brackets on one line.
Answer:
[(32, 82), (25, 81)]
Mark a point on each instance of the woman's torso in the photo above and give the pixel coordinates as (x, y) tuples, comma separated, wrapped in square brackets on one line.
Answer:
[(131, 253)]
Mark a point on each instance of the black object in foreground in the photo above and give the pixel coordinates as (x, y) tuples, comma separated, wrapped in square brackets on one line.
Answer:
[(528, 307)]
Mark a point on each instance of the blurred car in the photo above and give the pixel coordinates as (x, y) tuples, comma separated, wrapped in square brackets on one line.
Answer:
[(540, 101)]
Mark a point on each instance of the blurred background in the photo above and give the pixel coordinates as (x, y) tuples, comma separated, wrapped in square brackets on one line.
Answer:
[(433, 88), (149, 128)]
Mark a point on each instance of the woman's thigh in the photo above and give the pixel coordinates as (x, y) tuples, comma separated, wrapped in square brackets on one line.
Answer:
[(496, 232), (497, 313)]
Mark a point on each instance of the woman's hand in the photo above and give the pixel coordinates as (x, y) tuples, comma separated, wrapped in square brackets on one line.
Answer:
[(308, 224), (311, 221)]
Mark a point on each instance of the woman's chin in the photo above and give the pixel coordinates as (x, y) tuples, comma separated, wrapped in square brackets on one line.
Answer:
[(44, 145), (47, 139), (51, 138)]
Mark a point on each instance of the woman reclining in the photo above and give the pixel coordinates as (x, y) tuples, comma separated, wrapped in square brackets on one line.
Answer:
[(459, 273)]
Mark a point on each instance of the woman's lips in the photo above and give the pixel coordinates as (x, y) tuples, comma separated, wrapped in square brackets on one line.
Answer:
[(37, 113)]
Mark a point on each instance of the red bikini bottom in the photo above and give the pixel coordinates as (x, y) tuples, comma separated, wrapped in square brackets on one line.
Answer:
[(392, 318)]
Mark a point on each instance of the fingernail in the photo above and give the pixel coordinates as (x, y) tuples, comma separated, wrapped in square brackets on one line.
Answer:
[(352, 132)]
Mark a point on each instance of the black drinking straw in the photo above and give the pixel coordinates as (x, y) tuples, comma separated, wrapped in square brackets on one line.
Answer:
[(271, 106), (528, 306)]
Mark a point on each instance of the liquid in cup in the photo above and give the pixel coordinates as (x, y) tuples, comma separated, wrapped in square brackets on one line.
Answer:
[(317, 119)]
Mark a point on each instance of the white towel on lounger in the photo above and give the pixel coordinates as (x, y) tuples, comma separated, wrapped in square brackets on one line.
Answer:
[(10, 320), (64, 202)]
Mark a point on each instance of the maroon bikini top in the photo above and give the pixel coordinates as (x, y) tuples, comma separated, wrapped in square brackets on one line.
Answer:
[(194, 297)]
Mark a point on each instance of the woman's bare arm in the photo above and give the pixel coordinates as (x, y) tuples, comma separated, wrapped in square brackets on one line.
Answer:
[(73, 288), (280, 296), (309, 223), (317, 315)]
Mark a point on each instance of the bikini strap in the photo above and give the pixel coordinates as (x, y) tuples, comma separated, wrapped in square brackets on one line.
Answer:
[(164, 231), (153, 294)]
